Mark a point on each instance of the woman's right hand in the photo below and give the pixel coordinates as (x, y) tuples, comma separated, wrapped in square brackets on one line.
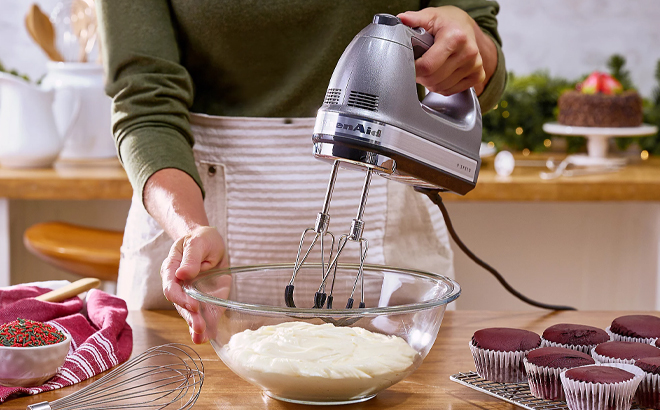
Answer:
[(200, 250)]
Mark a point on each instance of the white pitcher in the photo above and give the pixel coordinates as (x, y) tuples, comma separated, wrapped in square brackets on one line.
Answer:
[(28, 134), (91, 136)]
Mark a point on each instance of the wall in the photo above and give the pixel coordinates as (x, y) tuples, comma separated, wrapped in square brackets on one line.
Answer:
[(590, 255), (570, 38)]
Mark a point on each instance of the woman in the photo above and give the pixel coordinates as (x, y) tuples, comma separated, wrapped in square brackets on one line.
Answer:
[(207, 190)]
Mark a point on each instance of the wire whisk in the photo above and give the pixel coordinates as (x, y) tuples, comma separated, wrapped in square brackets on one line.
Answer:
[(167, 376)]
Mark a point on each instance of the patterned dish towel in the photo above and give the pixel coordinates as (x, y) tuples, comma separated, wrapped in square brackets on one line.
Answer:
[(100, 340)]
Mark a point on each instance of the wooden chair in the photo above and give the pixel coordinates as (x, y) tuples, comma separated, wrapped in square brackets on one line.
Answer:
[(84, 251)]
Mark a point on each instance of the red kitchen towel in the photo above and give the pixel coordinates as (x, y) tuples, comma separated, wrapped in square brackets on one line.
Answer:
[(99, 341)]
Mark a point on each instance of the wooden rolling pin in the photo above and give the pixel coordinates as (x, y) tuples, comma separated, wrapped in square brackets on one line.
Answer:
[(70, 290)]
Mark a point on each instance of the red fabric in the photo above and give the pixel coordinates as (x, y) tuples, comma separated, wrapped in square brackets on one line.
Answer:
[(99, 341)]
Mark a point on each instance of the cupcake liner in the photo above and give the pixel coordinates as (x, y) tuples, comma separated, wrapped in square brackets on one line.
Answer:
[(503, 367), (599, 358), (544, 382), (618, 338), (601, 396), (580, 348), (648, 392)]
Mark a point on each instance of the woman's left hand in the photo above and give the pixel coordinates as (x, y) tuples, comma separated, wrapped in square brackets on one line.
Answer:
[(461, 57)]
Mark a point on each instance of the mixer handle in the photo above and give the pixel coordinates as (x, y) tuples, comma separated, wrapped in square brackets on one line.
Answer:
[(459, 107)]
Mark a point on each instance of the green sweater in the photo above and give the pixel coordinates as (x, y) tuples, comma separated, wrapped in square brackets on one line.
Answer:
[(166, 58)]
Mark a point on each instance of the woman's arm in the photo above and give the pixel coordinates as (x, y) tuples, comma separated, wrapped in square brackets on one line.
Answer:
[(174, 200), (152, 93)]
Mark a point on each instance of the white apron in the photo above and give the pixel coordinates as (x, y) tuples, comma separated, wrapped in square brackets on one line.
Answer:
[(263, 188)]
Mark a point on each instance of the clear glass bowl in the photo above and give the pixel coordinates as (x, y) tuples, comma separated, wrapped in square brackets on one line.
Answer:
[(405, 303)]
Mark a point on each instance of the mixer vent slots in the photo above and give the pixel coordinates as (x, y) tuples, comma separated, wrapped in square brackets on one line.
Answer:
[(332, 96), (363, 100)]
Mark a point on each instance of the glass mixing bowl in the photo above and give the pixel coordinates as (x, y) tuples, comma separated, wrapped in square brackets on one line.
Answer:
[(400, 303)]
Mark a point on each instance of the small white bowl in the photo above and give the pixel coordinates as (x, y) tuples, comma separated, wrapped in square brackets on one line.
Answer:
[(31, 366)]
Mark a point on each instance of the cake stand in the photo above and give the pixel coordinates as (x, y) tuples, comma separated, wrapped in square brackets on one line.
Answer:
[(598, 140)]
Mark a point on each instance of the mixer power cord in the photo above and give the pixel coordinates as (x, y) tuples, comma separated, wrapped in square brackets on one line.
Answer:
[(434, 196)]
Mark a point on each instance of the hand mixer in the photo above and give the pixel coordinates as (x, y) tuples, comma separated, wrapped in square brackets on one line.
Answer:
[(372, 119)]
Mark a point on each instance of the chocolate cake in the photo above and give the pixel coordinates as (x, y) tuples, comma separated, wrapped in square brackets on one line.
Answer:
[(600, 110), (599, 374), (624, 352), (502, 339), (636, 326), (648, 392), (544, 366), (578, 337), (499, 352)]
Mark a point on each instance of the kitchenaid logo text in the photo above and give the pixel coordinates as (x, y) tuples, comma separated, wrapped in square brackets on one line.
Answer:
[(359, 128)]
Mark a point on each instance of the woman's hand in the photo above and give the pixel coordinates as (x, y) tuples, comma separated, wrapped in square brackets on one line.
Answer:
[(191, 254), (461, 57)]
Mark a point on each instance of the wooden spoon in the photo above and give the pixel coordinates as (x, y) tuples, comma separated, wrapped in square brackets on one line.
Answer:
[(70, 290), (83, 21), (42, 32)]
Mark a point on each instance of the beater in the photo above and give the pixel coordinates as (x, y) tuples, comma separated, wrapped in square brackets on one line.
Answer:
[(372, 119), (163, 376)]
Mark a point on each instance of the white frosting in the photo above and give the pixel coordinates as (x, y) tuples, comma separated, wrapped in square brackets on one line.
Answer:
[(318, 362)]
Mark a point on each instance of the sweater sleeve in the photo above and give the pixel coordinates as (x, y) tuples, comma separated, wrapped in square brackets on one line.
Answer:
[(151, 91), (484, 12)]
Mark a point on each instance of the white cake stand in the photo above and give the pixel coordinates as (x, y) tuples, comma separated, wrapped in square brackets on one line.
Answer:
[(598, 140)]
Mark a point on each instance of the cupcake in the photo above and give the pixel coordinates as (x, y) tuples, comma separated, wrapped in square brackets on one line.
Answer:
[(623, 352), (577, 337), (607, 386), (544, 365), (498, 353), (648, 392), (635, 328)]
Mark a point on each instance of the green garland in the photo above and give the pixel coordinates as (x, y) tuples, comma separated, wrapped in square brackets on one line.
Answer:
[(530, 101)]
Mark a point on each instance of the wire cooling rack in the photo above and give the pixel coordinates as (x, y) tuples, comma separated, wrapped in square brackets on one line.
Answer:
[(514, 393)]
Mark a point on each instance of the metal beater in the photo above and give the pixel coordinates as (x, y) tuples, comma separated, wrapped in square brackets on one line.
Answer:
[(163, 376), (372, 119)]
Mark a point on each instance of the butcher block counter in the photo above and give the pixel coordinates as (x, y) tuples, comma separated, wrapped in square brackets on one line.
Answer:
[(639, 181), (427, 388)]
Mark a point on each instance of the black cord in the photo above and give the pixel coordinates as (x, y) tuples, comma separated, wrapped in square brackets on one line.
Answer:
[(434, 196)]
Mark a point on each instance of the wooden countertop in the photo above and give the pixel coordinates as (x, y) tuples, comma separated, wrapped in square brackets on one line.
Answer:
[(428, 387), (637, 182), (109, 182)]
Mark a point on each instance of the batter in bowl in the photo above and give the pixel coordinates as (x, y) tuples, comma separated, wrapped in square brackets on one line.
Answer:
[(302, 361)]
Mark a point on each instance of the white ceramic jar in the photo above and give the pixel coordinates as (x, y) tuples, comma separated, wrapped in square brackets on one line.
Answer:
[(91, 136), (28, 134)]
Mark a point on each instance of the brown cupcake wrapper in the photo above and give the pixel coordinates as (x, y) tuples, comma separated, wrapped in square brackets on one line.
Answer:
[(602, 396), (503, 367), (586, 349), (648, 392), (544, 382), (599, 358), (619, 338)]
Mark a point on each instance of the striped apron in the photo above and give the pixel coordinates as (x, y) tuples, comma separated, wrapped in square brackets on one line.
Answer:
[(263, 189)]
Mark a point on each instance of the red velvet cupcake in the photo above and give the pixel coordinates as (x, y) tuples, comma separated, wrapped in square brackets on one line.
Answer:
[(635, 328), (544, 366), (577, 337), (499, 352), (623, 352), (606, 386), (648, 392)]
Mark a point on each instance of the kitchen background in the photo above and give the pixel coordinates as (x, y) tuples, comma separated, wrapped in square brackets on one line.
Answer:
[(596, 255)]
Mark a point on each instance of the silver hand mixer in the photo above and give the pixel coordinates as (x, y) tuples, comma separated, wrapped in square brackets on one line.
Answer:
[(372, 119)]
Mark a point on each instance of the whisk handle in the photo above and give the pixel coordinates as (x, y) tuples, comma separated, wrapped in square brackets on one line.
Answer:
[(39, 406)]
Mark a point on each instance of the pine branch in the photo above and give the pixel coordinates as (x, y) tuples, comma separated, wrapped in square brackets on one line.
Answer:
[(616, 65)]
